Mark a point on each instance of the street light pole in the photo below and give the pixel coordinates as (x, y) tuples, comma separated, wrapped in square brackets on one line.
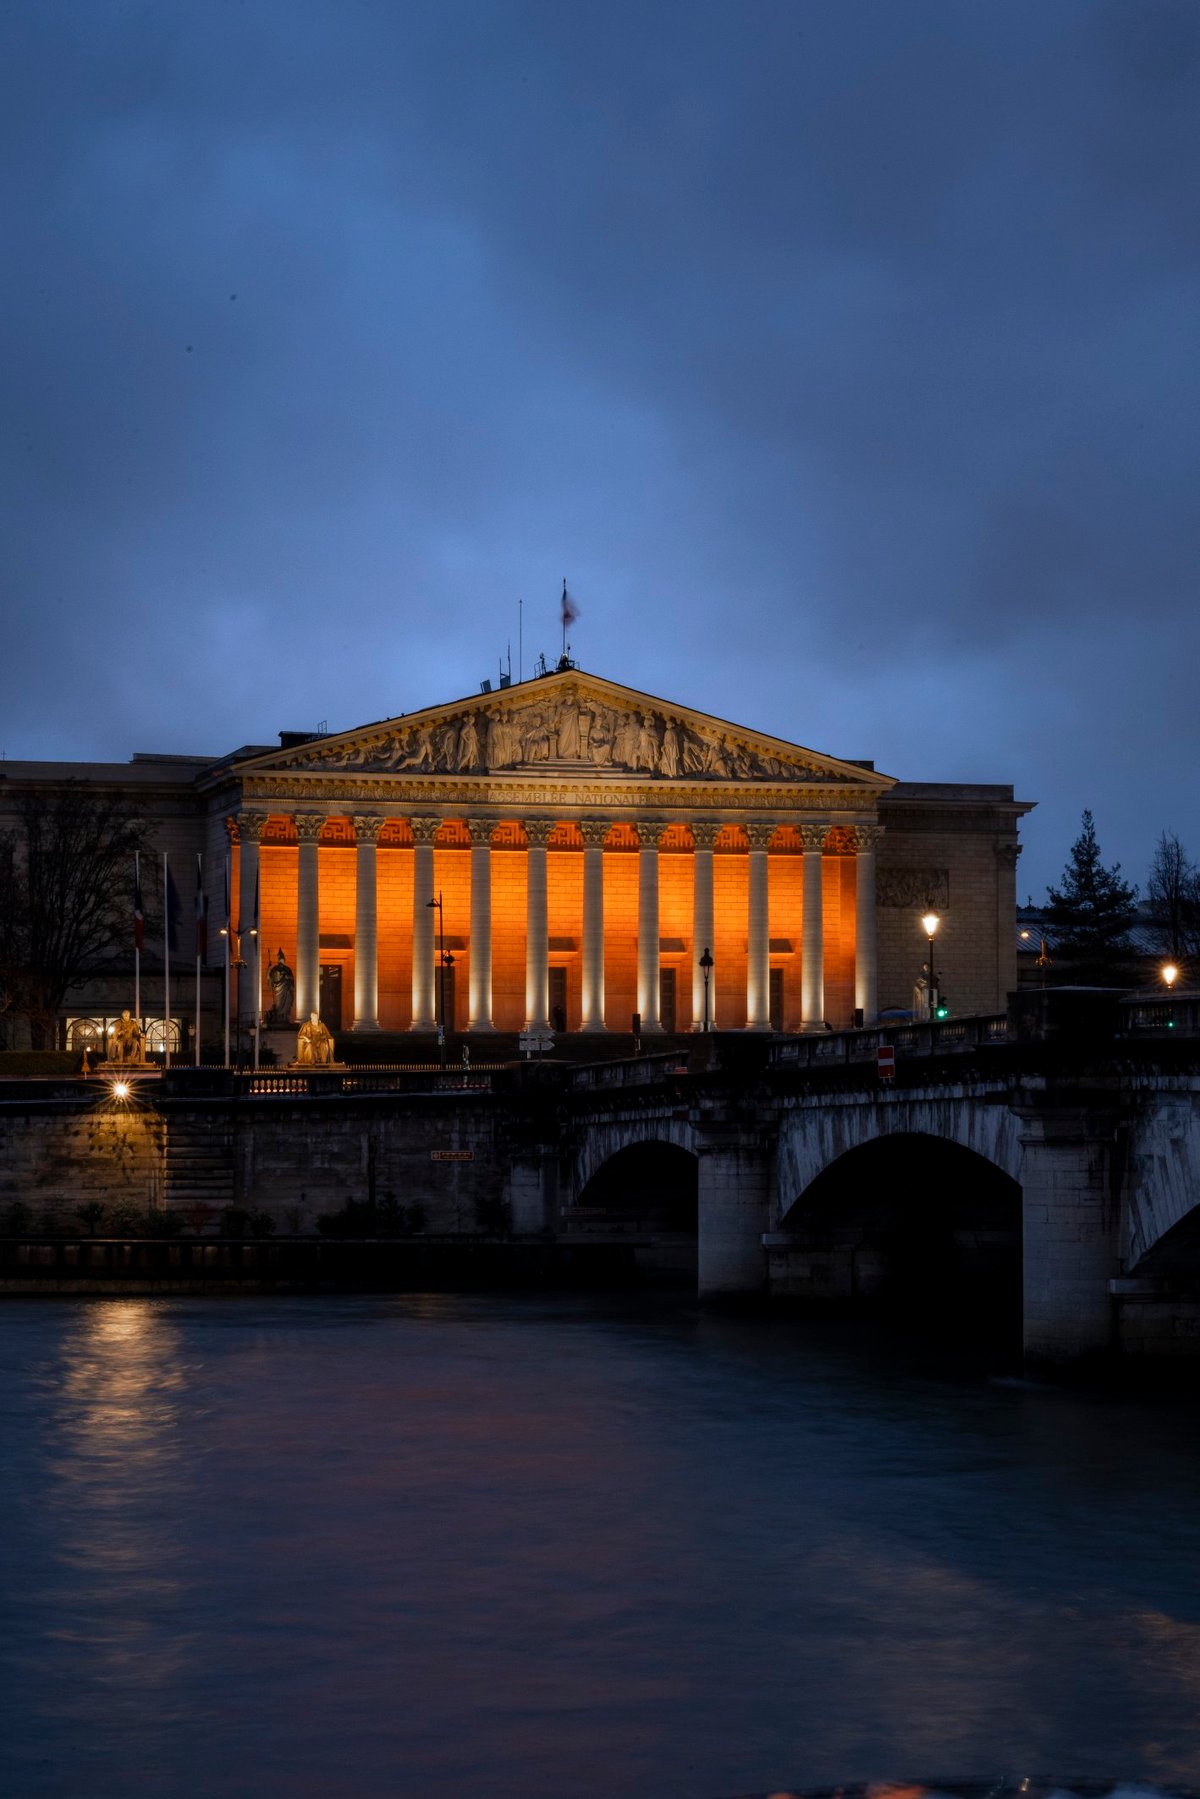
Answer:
[(441, 981), (706, 967), (930, 922)]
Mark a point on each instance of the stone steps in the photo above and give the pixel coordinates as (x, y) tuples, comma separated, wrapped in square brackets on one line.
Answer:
[(199, 1166)]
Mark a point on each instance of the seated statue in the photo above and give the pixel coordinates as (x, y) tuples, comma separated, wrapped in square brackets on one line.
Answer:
[(127, 1040), (314, 1044)]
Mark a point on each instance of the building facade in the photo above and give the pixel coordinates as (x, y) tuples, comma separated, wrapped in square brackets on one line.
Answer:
[(566, 853)]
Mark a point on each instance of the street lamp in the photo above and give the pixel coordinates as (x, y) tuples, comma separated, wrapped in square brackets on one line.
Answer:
[(436, 903), (706, 968), (1170, 975), (929, 924)]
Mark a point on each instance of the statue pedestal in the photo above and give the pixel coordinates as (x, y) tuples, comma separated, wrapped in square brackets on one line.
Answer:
[(316, 1067)]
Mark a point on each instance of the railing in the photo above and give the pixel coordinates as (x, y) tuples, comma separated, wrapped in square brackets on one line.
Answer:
[(636, 1071), (948, 1036), (324, 1081)]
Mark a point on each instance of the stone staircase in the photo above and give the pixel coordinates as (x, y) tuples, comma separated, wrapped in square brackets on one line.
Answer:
[(199, 1163)]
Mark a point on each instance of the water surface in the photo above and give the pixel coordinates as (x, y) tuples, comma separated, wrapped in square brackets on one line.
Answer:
[(570, 1547)]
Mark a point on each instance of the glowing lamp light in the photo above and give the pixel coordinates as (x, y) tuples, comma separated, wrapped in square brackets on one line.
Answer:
[(1170, 975), (120, 1090), (930, 922)]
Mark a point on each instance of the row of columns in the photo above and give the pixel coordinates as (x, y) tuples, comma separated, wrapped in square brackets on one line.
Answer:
[(537, 959)]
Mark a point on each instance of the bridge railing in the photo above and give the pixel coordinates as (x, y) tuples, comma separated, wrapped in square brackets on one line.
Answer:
[(946, 1037), (640, 1071)]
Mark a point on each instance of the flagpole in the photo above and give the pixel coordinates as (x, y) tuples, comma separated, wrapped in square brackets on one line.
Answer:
[(227, 927), (257, 968), (200, 947), (166, 964), (137, 953)]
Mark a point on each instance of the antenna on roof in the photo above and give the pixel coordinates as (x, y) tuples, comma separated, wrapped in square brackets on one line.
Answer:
[(520, 640)]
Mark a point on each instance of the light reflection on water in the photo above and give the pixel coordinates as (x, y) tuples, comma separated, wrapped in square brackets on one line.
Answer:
[(572, 1547)]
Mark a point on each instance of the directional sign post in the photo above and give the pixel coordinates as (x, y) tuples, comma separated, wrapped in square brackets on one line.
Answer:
[(535, 1043), (885, 1061)]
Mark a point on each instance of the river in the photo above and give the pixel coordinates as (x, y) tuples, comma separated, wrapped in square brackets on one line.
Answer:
[(572, 1546)]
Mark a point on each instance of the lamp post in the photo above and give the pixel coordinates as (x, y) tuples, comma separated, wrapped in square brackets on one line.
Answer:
[(706, 968), (1043, 955), (929, 924), (1170, 975), (436, 903)]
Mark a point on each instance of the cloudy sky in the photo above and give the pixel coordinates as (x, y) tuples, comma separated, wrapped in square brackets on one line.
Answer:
[(842, 354)]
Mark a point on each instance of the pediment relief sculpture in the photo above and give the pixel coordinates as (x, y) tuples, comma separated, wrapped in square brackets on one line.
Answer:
[(578, 734)]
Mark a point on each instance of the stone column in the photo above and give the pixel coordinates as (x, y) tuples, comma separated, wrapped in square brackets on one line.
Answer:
[(1070, 1211), (1006, 911), (866, 960), (537, 944), (308, 927), (479, 1013), (594, 831), (366, 925), (758, 933), (648, 945), (704, 835), (249, 832), (812, 941), (424, 930)]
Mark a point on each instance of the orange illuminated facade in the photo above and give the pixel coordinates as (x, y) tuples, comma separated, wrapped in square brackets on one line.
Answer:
[(560, 855)]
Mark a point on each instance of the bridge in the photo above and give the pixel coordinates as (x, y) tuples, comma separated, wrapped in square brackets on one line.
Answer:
[(1046, 1160), (1040, 1166)]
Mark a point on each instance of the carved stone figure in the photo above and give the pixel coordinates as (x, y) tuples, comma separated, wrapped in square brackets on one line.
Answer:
[(668, 756), (568, 731), (468, 744), (647, 745), (625, 741), (282, 983), (127, 1041), (314, 1044), (600, 739), (537, 739)]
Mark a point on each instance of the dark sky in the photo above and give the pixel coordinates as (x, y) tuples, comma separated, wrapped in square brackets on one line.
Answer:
[(842, 355)]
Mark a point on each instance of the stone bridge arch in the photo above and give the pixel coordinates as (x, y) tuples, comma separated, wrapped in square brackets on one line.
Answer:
[(600, 1140), (1162, 1216), (816, 1133), (912, 1207)]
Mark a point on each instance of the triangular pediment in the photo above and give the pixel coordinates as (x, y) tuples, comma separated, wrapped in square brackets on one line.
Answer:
[(566, 724)]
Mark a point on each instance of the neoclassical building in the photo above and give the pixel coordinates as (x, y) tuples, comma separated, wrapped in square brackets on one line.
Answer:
[(566, 852)]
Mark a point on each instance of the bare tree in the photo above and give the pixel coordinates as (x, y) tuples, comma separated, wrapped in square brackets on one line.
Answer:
[(66, 896), (1173, 901)]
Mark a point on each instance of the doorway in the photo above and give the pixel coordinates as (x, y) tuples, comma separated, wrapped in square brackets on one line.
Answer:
[(775, 999), (666, 998), (558, 1000), (330, 995)]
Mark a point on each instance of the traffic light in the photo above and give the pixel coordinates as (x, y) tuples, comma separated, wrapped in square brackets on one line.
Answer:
[(941, 1010)]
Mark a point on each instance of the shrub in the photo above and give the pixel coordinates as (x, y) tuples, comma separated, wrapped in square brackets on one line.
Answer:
[(388, 1218)]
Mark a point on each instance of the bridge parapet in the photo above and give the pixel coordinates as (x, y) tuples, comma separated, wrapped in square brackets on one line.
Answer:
[(946, 1037)]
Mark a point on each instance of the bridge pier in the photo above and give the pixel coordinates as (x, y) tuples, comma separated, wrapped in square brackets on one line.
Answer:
[(1070, 1179), (733, 1211), (533, 1192)]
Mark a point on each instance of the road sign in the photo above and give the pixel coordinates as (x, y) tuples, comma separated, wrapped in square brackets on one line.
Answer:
[(885, 1061), (532, 1043)]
